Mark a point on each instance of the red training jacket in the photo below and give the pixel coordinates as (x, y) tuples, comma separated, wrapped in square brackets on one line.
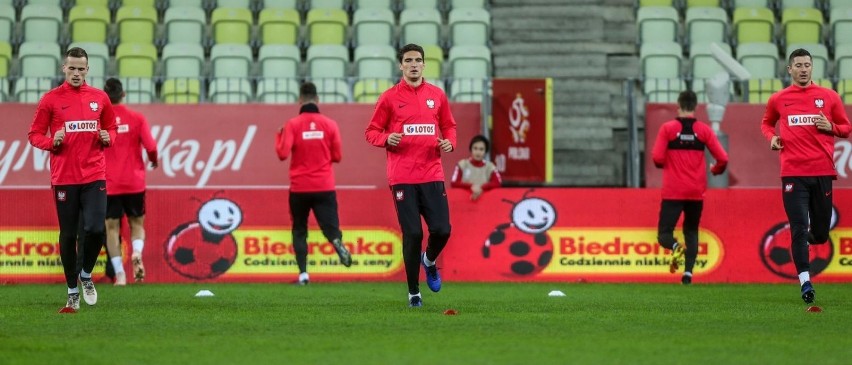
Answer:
[(314, 141), (125, 170), (82, 112), (684, 170), (806, 150), (423, 115)]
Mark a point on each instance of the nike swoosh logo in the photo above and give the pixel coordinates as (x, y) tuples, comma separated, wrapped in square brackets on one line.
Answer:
[(402, 105), (785, 104), (65, 107), (102, 189), (828, 194)]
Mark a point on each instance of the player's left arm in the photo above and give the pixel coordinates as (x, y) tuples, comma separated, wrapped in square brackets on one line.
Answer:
[(447, 123), (839, 119), (336, 143), (148, 141), (284, 141), (716, 150), (108, 123), (661, 146)]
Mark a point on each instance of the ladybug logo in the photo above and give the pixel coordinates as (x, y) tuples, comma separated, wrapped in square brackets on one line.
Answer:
[(522, 247), (206, 248), (776, 256)]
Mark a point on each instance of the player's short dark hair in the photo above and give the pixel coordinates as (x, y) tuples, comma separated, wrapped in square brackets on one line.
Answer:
[(308, 91), (479, 138), (799, 52), (77, 52), (687, 100), (114, 89), (408, 48)]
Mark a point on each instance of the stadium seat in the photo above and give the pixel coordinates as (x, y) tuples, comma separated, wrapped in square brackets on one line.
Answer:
[(706, 24), (797, 4), (41, 23), (279, 26), (844, 89), (183, 60), (802, 25), (327, 61), (736, 4), (420, 26), (39, 59), (239, 4), (760, 59), (657, 24), (819, 56), (185, 24), (838, 4), (231, 60), (369, 90), (826, 83), (375, 62), (31, 89), (469, 27), (465, 4), (468, 90), (89, 23), (231, 25), (660, 60), (139, 3), (136, 24), (702, 66), (230, 90), (373, 4), (98, 58), (94, 3), (279, 4), (470, 62), (373, 26), (659, 90), (138, 90), (841, 26), (702, 4), (58, 3), (190, 3), (332, 90), (419, 4), (7, 23), (181, 91), (644, 3), (434, 62), (277, 90), (136, 60), (843, 61), (279, 60), (759, 90), (753, 25), (326, 4), (4, 90), (327, 26), (5, 58)]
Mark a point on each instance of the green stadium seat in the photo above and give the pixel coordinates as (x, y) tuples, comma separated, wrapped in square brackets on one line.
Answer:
[(369, 90), (190, 3), (136, 24), (702, 66), (229, 90), (802, 25), (39, 59), (181, 91), (736, 4), (89, 23), (11, 3), (373, 4), (838, 4), (277, 90), (420, 26), (279, 26), (326, 4), (279, 4), (819, 56), (7, 22), (753, 25), (138, 90), (470, 62), (58, 3), (644, 3), (759, 90), (5, 58), (375, 62), (327, 61), (136, 60), (373, 26), (92, 3), (841, 26), (231, 60), (844, 89), (467, 90), (327, 26), (98, 58), (434, 62), (185, 24), (657, 24), (139, 3), (702, 3), (826, 83), (41, 23), (797, 4), (231, 25), (31, 89), (420, 4), (760, 59), (706, 24), (660, 60), (332, 90), (183, 60), (4, 90), (241, 4), (469, 27), (843, 61), (658, 90), (465, 4), (279, 61)]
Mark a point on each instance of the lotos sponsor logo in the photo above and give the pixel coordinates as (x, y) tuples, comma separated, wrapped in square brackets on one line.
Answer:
[(801, 120), (624, 251), (419, 129), (312, 135), (73, 126), (185, 157)]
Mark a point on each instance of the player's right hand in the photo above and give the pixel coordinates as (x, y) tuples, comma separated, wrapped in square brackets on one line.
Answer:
[(394, 139), (58, 137), (775, 144)]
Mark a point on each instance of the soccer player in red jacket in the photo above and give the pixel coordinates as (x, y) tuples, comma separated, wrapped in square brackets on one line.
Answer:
[(413, 123), (313, 141), (75, 122), (125, 173), (679, 151), (811, 116)]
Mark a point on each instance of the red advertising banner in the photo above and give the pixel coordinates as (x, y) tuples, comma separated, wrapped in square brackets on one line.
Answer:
[(752, 163), (522, 129), (225, 146), (509, 234)]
